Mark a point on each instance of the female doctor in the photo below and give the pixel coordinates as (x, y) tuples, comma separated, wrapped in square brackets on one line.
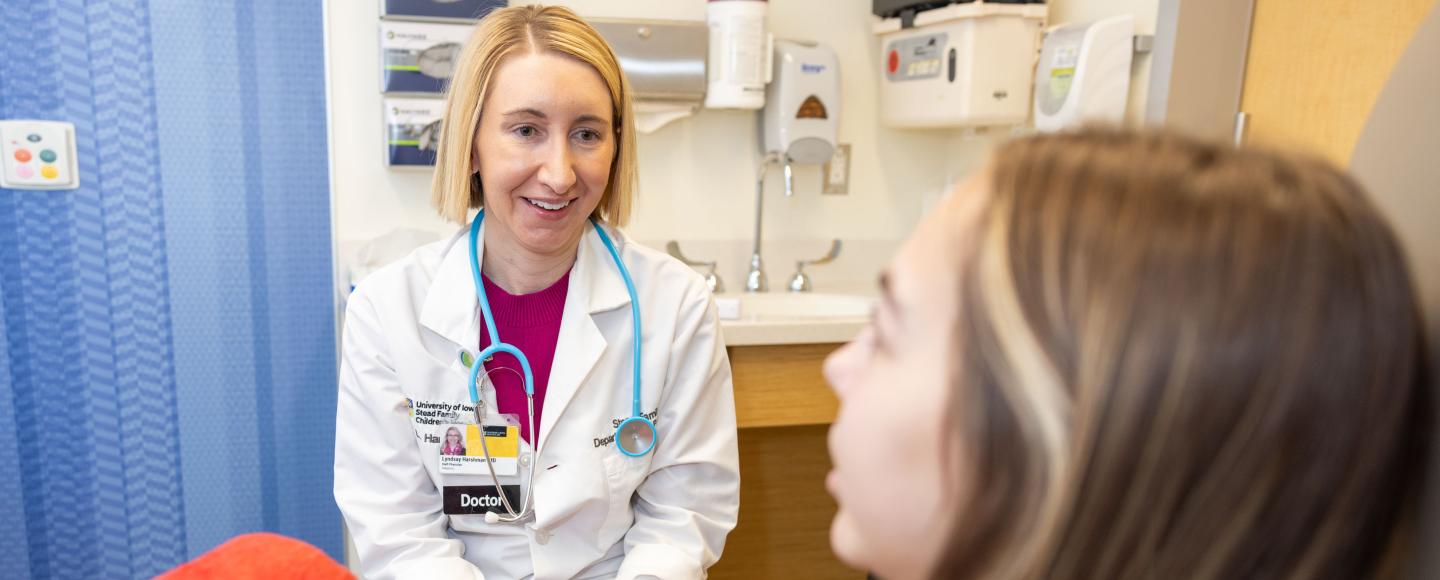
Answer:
[(538, 136)]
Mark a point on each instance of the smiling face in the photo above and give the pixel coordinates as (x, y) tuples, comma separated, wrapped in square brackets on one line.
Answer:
[(544, 150), (452, 437), (894, 383)]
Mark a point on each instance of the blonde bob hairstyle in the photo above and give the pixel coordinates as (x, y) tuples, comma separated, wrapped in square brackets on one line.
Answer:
[(455, 189)]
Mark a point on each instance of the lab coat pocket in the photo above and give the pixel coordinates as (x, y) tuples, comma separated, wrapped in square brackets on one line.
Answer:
[(623, 474)]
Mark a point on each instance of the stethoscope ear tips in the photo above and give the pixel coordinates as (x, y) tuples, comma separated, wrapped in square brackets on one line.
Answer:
[(492, 518)]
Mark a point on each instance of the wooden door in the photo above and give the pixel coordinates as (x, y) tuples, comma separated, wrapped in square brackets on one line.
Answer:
[(1315, 68)]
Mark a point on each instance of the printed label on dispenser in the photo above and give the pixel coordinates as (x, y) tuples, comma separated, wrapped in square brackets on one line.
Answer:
[(1062, 71)]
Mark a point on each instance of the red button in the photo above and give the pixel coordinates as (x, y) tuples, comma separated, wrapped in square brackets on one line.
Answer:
[(22, 155), (894, 62)]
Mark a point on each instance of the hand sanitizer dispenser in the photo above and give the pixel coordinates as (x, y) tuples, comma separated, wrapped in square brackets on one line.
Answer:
[(801, 120), (1084, 74)]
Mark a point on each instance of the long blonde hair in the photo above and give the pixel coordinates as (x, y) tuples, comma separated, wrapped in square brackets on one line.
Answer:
[(455, 189), (1183, 360)]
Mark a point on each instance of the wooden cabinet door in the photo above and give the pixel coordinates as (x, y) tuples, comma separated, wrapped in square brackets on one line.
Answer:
[(1315, 68)]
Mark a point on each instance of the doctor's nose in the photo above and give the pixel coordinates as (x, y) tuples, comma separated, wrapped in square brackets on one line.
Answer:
[(557, 170)]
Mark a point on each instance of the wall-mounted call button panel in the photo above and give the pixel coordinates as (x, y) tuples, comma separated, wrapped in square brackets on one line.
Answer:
[(38, 155)]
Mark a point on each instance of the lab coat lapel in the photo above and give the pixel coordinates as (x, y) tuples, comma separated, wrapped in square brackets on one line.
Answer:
[(451, 309), (595, 287)]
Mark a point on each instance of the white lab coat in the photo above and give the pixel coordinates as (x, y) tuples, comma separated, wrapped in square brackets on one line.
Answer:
[(598, 513)]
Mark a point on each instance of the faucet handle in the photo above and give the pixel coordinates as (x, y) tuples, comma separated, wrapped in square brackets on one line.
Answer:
[(712, 280), (800, 282)]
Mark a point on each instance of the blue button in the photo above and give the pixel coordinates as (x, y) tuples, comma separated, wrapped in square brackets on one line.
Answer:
[(47, 156), (33, 138)]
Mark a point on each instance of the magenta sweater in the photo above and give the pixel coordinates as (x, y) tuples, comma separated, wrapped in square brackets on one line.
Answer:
[(530, 322)]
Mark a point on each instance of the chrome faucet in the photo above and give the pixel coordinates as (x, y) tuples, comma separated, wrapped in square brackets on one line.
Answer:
[(800, 282), (755, 281), (712, 280)]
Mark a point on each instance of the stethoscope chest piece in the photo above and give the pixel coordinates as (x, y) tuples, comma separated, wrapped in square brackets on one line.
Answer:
[(635, 436)]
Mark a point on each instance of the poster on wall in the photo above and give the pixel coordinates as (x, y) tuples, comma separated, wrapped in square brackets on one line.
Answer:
[(412, 131), (466, 9), (419, 57)]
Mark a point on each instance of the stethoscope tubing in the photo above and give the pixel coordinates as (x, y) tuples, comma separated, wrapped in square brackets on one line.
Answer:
[(634, 318), (635, 415), (529, 382)]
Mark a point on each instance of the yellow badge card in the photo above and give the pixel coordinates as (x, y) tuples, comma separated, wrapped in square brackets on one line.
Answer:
[(500, 440)]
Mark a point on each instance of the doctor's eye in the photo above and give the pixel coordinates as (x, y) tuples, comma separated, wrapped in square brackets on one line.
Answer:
[(526, 131), (589, 136)]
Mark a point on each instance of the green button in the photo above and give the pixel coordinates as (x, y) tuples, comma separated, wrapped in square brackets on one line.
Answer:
[(47, 156)]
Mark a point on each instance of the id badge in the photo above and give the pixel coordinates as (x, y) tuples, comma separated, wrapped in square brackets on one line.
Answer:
[(462, 453)]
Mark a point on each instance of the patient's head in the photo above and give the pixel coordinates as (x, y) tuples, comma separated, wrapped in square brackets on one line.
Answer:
[(1111, 355)]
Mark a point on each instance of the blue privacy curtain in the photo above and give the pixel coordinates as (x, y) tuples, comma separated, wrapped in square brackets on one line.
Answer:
[(167, 344)]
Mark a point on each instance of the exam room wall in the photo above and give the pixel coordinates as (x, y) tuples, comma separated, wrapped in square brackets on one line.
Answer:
[(697, 175)]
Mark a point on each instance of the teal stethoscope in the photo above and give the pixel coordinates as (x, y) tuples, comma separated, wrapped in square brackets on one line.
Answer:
[(634, 436)]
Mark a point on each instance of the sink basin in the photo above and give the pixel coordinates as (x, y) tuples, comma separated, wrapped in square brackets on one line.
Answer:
[(793, 306), (792, 318)]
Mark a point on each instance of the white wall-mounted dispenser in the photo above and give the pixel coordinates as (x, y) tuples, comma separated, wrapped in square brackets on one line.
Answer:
[(800, 124), (958, 65), (740, 46), (665, 63), (1084, 74), (801, 120)]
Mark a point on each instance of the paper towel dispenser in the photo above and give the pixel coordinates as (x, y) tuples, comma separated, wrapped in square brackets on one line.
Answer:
[(665, 63)]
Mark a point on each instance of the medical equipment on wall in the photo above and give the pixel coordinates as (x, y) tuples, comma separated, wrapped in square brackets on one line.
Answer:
[(665, 64), (412, 131), (1084, 74), (739, 59), (419, 57), (634, 436), (431, 9), (38, 155), (801, 120), (958, 65)]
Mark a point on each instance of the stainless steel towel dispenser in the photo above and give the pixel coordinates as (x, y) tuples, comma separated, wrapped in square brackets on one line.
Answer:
[(665, 62)]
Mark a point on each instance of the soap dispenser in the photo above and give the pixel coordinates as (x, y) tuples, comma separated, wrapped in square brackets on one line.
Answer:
[(801, 120), (800, 124)]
